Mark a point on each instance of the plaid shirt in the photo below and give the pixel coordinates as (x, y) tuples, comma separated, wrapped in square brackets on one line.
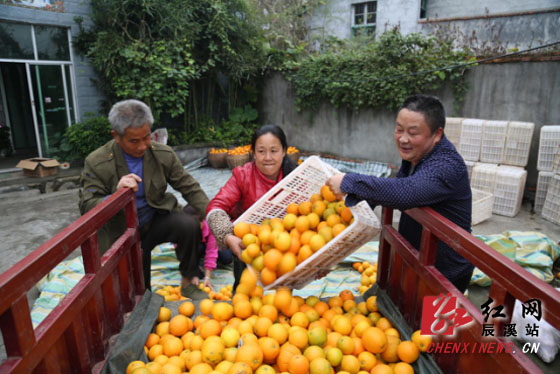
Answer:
[(440, 181)]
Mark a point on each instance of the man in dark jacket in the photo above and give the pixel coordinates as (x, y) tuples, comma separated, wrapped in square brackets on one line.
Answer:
[(131, 160), (432, 174)]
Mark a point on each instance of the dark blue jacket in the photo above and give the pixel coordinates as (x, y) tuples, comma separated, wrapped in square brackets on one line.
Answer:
[(440, 181)]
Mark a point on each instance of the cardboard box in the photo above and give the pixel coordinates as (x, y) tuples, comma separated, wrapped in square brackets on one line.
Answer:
[(39, 167)]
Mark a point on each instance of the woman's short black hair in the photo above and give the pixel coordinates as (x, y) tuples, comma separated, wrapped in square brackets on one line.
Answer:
[(270, 129)]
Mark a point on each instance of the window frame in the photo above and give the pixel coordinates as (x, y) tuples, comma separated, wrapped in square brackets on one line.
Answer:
[(369, 28)]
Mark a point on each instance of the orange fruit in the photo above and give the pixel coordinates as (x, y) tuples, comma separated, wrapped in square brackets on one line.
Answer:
[(289, 221), (292, 209), (390, 353), (334, 356), (240, 368), (272, 259), (327, 193), (241, 229), (335, 301), (338, 229), (319, 207), (367, 361), (286, 352), (283, 241), (201, 368), (170, 369), (314, 220), (172, 347), (205, 306), (403, 368), (298, 338), (243, 309), (350, 363), (314, 351), (291, 309), (164, 314), (152, 340), (302, 224), (196, 343), (253, 250), (186, 308), (342, 325), (304, 208), (265, 235), (254, 228), (326, 232), (270, 349), (295, 245), (299, 319), (320, 366), (261, 326), (383, 323), (421, 341), (250, 354), (162, 328), (249, 239), (346, 214), (154, 367), (374, 340), (179, 325), (210, 328), (135, 365), (287, 263), (408, 351), (269, 312), (154, 351), (315, 197), (222, 311), (333, 219), (282, 298), (298, 364), (268, 276), (346, 295), (316, 242), (213, 350), (346, 345), (381, 369), (278, 333)]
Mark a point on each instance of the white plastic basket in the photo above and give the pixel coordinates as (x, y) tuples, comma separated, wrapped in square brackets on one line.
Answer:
[(453, 130), (483, 176), (518, 143), (542, 187), (298, 187), (471, 135), (508, 190), (548, 143), (551, 207), (493, 141), (482, 203)]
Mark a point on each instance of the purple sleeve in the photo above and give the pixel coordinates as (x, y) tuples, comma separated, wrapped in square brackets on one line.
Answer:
[(211, 255)]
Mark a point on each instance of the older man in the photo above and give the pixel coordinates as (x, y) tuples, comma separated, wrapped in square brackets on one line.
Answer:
[(432, 174), (132, 160)]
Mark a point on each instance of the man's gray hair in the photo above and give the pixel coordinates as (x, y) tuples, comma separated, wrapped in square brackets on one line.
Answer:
[(130, 113)]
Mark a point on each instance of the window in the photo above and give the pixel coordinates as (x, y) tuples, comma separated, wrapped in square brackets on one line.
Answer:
[(17, 41), (364, 18), (423, 8)]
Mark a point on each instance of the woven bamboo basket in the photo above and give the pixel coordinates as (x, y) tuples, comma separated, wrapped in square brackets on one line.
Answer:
[(237, 160), (217, 160)]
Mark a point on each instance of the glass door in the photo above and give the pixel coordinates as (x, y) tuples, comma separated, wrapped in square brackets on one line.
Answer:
[(52, 105)]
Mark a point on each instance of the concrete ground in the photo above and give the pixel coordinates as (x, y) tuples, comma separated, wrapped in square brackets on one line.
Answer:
[(31, 218)]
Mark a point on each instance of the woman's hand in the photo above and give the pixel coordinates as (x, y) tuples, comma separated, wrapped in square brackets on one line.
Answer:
[(235, 244), (207, 275)]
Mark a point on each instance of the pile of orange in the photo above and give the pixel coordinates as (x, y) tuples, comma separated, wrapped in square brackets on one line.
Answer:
[(224, 293), (278, 333), (369, 274), (171, 293), (292, 150), (277, 246), (241, 150), (217, 151)]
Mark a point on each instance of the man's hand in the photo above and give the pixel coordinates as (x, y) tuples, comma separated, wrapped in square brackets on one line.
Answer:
[(235, 244), (334, 183), (130, 181)]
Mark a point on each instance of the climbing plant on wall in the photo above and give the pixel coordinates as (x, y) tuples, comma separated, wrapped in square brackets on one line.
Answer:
[(380, 73)]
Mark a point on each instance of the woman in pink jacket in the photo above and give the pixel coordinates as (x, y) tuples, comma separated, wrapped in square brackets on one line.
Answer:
[(246, 185)]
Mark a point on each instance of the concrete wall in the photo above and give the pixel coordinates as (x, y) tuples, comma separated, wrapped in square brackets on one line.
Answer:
[(525, 91), (88, 95), (521, 31)]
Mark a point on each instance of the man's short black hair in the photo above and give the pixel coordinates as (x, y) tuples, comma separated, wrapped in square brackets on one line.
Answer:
[(429, 106)]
